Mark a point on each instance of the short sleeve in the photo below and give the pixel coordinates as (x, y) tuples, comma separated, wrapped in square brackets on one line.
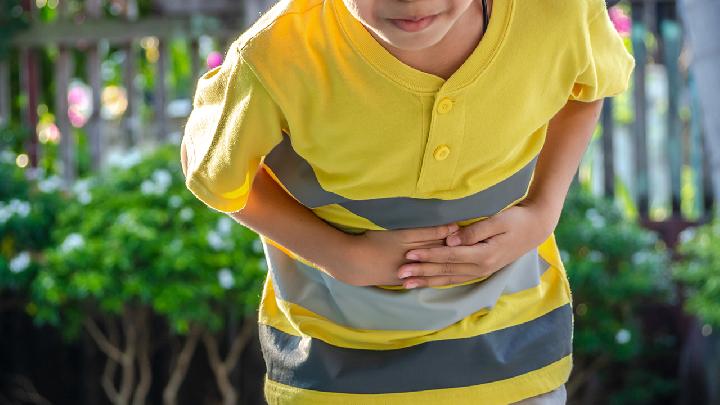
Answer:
[(233, 124), (608, 64)]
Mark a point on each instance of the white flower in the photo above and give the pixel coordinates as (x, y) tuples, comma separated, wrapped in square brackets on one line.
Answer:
[(84, 198), (22, 208), (564, 255), (186, 214), (7, 157), (124, 159), (216, 241), (176, 245), (20, 262), (50, 184), (13, 207), (640, 257), (686, 235), (175, 201), (162, 178), (72, 242), (596, 220), (5, 213), (224, 225), (82, 185), (623, 336), (595, 256), (147, 187), (226, 278)]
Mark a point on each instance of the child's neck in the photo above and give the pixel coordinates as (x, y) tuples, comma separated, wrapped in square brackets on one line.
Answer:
[(445, 57)]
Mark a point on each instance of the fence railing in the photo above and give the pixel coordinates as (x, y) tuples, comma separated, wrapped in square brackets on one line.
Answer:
[(84, 35), (649, 155)]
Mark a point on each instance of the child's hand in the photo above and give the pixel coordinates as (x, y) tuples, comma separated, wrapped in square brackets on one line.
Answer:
[(374, 256), (482, 248)]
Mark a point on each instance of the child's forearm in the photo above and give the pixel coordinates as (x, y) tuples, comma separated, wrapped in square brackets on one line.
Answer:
[(272, 212), (567, 138)]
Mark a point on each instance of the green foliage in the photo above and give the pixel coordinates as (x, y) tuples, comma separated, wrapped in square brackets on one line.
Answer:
[(135, 235), (28, 211), (699, 270), (615, 268), (12, 20)]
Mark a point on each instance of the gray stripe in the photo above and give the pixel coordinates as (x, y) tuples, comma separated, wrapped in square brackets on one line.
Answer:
[(381, 309), (313, 364), (298, 177)]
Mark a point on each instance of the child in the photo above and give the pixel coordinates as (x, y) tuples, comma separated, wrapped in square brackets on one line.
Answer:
[(430, 137)]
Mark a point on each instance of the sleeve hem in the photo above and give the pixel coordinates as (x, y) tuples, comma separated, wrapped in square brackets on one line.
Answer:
[(212, 200)]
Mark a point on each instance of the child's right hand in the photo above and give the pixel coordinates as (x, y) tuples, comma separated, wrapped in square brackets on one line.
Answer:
[(374, 256)]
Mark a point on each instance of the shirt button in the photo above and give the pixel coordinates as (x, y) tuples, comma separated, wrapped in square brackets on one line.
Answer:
[(441, 152), (444, 106)]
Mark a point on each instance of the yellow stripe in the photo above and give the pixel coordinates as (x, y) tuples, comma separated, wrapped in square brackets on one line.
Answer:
[(499, 392), (510, 309), (348, 220)]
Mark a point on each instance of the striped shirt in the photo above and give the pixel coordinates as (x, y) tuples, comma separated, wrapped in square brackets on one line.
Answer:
[(369, 143)]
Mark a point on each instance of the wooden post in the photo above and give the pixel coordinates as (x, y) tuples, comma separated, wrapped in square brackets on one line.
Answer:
[(93, 70), (131, 120), (5, 109), (29, 77), (194, 62), (608, 149), (160, 103), (640, 106), (63, 72), (701, 22), (672, 41)]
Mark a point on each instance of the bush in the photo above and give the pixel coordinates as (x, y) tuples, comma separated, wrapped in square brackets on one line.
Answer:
[(135, 242), (699, 271), (615, 268), (29, 205)]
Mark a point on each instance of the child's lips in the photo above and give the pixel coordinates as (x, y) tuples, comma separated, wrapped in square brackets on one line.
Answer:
[(413, 25)]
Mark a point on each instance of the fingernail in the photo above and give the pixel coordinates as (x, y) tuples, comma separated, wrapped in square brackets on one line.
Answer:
[(453, 240), (413, 256), (405, 274), (411, 284)]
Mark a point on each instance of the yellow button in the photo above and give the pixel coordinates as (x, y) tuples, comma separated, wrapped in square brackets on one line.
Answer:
[(444, 106), (441, 152)]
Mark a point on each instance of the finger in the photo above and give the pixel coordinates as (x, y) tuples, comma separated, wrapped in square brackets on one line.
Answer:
[(429, 233), (449, 254), (436, 269), (437, 281), (476, 232)]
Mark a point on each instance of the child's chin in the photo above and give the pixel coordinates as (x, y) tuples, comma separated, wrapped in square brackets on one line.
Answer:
[(412, 41)]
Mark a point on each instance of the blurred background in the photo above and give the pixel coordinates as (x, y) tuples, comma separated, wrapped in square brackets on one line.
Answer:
[(118, 286)]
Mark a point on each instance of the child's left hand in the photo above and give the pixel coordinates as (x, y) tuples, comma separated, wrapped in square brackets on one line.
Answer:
[(481, 248)]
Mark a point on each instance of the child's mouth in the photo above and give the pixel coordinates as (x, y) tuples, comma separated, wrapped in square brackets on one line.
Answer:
[(413, 25)]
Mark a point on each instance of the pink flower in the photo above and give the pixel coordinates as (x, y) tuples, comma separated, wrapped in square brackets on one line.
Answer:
[(77, 95), (214, 59), (623, 23)]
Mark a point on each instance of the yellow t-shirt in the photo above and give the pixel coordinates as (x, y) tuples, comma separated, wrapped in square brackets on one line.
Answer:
[(368, 142)]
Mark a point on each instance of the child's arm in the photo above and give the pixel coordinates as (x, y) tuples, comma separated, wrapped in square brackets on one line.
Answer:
[(491, 244), (370, 258)]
